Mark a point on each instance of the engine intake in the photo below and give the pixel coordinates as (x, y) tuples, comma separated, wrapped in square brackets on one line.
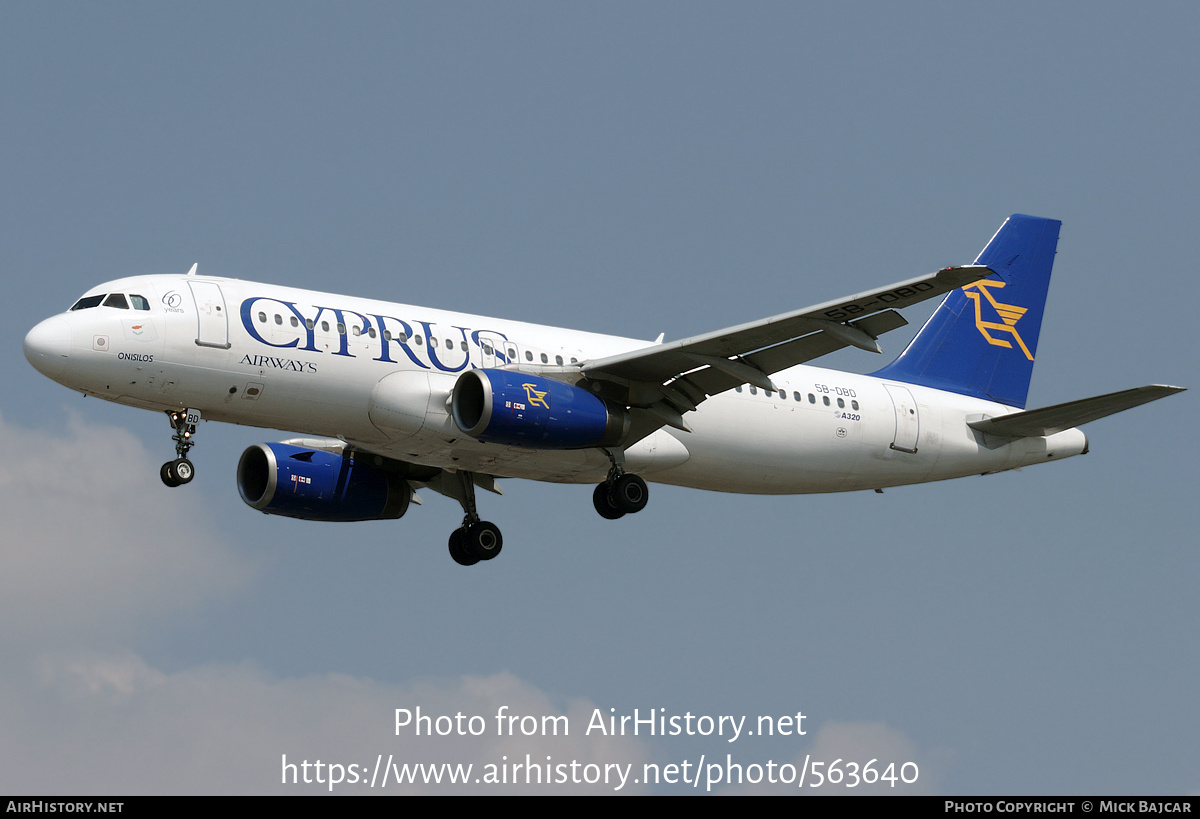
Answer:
[(314, 484), (519, 409)]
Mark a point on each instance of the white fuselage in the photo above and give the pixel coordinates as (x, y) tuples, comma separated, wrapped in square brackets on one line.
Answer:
[(378, 376)]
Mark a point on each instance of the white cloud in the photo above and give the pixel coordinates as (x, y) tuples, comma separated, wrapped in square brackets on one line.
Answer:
[(94, 544), (93, 540), (110, 724)]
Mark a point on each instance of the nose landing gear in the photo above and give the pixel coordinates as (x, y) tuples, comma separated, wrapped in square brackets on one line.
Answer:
[(180, 470)]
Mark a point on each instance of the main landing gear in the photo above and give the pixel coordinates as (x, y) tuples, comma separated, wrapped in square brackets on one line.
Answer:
[(180, 470), (476, 539), (621, 493)]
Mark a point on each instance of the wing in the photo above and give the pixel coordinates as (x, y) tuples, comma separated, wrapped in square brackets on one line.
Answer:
[(661, 382)]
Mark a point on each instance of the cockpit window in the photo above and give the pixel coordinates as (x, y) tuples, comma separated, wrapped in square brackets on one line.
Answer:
[(117, 300), (88, 301), (139, 302)]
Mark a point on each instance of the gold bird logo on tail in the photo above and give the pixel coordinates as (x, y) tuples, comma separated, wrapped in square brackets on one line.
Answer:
[(1009, 315)]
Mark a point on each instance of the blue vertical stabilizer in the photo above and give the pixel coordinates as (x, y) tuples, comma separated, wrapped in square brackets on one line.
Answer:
[(982, 339)]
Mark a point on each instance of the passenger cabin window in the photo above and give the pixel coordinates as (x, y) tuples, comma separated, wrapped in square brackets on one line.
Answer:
[(139, 302), (88, 301), (545, 358)]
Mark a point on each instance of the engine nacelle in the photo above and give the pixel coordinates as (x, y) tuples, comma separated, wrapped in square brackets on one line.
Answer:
[(519, 409), (315, 484)]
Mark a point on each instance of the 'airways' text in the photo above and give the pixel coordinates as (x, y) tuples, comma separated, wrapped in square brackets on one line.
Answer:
[(274, 363)]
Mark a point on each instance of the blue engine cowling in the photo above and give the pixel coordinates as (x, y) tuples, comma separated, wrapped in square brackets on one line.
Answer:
[(519, 409), (312, 484)]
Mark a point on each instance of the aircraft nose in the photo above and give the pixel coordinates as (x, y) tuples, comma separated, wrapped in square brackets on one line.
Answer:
[(48, 345)]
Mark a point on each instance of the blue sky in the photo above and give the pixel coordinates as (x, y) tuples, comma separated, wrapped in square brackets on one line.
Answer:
[(623, 168)]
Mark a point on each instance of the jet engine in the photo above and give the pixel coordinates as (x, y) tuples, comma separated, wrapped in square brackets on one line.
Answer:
[(316, 484), (519, 409)]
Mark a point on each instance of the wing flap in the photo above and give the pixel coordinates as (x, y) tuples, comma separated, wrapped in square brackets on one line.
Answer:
[(1049, 420)]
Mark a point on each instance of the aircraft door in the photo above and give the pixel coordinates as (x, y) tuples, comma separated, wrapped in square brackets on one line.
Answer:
[(212, 323), (491, 350), (908, 422), (497, 351)]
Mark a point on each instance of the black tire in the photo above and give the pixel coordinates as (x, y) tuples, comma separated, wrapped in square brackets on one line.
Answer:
[(604, 504), (458, 548), (483, 540), (182, 470), (168, 475), (629, 494)]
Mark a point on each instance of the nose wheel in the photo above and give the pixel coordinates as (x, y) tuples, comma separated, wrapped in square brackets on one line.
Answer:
[(177, 472), (181, 471)]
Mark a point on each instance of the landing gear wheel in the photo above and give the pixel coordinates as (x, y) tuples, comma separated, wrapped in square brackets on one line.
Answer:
[(182, 471), (458, 548), (167, 475), (483, 540), (629, 494), (604, 504)]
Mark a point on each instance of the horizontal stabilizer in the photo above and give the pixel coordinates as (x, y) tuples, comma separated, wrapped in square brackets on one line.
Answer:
[(1049, 420)]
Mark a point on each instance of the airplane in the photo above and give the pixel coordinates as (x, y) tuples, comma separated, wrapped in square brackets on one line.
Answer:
[(391, 398)]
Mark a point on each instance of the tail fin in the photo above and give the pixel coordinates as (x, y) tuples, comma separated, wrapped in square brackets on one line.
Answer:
[(982, 339)]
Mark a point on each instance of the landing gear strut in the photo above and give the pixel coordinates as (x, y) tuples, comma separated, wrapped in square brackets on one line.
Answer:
[(621, 493), (476, 539), (180, 470)]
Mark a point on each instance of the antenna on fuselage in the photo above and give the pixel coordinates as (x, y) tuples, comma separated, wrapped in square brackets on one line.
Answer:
[(192, 272)]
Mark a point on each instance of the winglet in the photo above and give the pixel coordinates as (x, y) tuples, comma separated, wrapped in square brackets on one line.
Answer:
[(192, 272)]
